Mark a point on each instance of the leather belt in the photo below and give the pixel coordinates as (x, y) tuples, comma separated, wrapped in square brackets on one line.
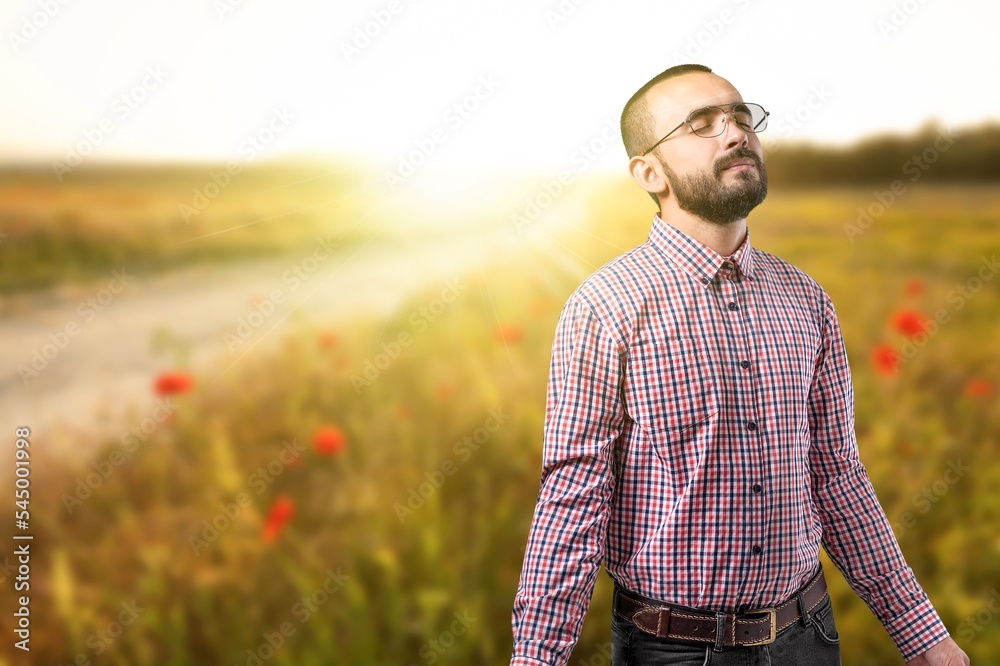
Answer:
[(753, 627)]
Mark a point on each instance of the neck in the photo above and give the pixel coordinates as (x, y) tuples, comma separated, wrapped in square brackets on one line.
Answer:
[(723, 238)]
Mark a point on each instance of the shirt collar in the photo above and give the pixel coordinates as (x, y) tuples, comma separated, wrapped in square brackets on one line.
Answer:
[(697, 259)]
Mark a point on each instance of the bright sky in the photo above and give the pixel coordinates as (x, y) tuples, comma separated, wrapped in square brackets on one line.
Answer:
[(533, 81)]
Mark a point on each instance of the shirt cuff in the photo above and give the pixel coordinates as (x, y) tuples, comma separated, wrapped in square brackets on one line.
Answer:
[(917, 630)]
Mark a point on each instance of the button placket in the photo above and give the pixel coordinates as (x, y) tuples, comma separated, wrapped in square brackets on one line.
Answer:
[(733, 297)]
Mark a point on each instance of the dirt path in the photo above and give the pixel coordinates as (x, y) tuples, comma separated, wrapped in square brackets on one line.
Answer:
[(101, 377)]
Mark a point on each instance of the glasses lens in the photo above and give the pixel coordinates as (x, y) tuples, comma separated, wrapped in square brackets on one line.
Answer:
[(750, 117), (709, 121)]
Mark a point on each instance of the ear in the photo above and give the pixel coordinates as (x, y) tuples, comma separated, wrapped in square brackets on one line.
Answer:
[(648, 175)]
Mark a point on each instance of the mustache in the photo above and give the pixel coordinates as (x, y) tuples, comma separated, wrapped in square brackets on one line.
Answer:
[(738, 153)]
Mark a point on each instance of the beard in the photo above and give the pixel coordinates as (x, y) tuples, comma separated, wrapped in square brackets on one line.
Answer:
[(707, 197)]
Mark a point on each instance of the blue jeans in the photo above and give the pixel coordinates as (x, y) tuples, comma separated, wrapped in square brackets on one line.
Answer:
[(815, 643)]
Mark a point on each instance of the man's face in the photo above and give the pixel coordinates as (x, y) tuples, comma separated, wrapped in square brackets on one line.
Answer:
[(720, 179)]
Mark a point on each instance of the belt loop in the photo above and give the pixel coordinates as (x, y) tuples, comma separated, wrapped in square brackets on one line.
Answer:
[(720, 631), (803, 610)]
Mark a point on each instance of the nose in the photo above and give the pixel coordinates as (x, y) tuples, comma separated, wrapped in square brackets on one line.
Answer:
[(734, 135)]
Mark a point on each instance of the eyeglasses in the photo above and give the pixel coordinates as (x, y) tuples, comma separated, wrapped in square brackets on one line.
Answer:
[(711, 120)]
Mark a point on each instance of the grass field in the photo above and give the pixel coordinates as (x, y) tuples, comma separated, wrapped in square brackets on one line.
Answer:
[(160, 217), (362, 494)]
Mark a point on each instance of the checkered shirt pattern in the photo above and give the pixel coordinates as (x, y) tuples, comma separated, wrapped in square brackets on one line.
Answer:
[(699, 439)]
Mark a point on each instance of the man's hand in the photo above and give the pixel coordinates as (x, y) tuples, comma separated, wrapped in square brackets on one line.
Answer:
[(945, 653)]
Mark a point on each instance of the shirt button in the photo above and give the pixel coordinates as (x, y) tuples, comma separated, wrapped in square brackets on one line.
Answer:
[(757, 550), (732, 306), (744, 364), (751, 425), (726, 264), (704, 280), (757, 488)]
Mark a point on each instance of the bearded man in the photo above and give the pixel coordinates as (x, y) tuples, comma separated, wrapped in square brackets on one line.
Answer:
[(699, 429)]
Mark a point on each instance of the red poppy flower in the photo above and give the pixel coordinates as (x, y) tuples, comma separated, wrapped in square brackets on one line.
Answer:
[(327, 339), (281, 512), (885, 359), (329, 440), (978, 388), (909, 322), (271, 532), (913, 288), (170, 383), (509, 333)]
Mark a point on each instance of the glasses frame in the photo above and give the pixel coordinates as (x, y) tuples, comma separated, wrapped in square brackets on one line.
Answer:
[(726, 114)]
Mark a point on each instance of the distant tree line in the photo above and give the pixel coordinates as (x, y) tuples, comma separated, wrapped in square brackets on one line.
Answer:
[(935, 154)]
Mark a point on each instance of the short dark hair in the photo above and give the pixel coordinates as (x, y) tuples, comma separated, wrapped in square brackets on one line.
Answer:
[(637, 124)]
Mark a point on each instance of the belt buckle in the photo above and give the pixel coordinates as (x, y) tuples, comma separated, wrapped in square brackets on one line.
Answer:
[(772, 616)]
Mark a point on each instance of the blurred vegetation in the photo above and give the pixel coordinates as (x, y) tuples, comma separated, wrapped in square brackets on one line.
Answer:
[(935, 154), (153, 217), (421, 525)]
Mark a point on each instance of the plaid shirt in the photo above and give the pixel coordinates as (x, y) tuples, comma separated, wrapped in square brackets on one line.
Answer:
[(699, 438)]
